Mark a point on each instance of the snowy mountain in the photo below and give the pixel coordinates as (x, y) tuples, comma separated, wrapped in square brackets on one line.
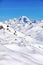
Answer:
[(21, 42), (24, 19)]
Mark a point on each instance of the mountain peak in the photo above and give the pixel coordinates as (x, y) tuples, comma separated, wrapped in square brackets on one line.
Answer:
[(24, 19)]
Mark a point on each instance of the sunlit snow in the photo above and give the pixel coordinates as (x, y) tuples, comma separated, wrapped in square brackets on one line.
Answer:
[(21, 43)]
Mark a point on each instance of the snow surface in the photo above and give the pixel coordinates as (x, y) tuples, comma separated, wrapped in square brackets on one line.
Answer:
[(21, 43)]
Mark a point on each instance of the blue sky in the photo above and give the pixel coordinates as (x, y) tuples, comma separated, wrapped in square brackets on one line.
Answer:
[(16, 8)]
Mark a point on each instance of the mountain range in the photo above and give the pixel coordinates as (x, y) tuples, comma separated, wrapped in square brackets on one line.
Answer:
[(21, 42)]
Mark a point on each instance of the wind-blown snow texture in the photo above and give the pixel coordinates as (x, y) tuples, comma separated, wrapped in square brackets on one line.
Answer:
[(21, 42)]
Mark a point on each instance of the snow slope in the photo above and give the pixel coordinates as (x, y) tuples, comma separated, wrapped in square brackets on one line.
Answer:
[(21, 42)]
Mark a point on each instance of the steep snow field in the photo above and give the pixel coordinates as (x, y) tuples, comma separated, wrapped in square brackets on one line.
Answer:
[(21, 42)]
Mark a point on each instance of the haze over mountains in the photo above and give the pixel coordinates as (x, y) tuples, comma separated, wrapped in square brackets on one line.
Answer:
[(21, 42)]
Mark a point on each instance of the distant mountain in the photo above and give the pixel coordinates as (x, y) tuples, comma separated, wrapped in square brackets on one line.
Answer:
[(24, 19)]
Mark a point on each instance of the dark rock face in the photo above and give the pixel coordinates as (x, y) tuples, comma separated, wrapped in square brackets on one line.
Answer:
[(1, 27), (25, 20)]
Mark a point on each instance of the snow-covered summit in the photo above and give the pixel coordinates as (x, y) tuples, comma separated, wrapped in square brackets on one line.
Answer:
[(24, 19)]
